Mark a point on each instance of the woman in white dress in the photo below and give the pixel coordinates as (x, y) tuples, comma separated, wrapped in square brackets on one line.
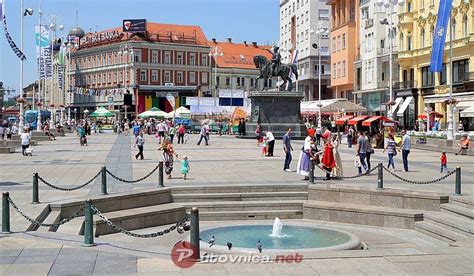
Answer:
[(303, 167), (337, 170)]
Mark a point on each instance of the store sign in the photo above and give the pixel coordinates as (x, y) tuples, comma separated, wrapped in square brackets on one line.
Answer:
[(101, 37), (166, 94), (388, 124), (134, 25)]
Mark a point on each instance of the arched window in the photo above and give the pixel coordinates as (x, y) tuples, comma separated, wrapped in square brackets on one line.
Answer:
[(464, 25), (432, 33), (402, 41), (422, 39), (454, 29)]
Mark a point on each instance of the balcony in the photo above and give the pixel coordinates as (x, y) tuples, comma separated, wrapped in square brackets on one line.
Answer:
[(406, 19), (369, 23), (404, 85)]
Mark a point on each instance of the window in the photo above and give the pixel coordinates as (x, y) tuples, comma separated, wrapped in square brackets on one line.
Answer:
[(333, 70), (142, 75), (137, 56), (93, 79), (109, 80), (460, 70), (409, 43), (167, 77), (464, 25), (204, 78), (218, 81), (154, 75), (324, 13), (252, 82), (115, 77), (227, 81), (443, 75), (401, 42), (238, 81), (409, 6), (427, 77), (333, 44), (192, 59), (322, 69), (154, 56), (192, 77), (204, 58), (343, 68), (179, 77), (432, 34), (243, 81), (339, 69), (343, 41), (167, 59), (121, 77), (422, 38), (179, 58), (338, 43)]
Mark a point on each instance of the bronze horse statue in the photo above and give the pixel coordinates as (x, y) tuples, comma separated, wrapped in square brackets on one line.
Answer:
[(283, 71)]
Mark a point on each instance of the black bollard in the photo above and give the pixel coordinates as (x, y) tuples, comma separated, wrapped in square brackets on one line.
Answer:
[(194, 238), (380, 177), (160, 174), (88, 225), (103, 186), (5, 213), (311, 172), (458, 182), (35, 189)]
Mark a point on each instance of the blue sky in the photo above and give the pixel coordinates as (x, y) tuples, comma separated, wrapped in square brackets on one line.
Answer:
[(251, 20)]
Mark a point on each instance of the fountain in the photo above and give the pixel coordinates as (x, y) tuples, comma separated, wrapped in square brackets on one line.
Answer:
[(277, 227)]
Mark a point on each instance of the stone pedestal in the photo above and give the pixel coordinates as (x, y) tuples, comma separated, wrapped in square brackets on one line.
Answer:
[(276, 111)]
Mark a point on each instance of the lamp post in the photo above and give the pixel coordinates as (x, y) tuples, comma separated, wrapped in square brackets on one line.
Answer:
[(75, 115), (126, 54), (450, 135), (216, 52), (321, 31), (24, 13), (389, 5)]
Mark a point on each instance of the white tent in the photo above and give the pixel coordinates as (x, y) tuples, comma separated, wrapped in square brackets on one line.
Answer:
[(334, 105)]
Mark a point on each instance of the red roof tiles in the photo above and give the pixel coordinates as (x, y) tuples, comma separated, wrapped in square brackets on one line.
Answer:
[(238, 55)]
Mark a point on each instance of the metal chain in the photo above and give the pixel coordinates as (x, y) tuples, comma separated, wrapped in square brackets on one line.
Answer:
[(346, 177), (68, 189), (129, 233), (133, 181), (419, 182), (57, 224)]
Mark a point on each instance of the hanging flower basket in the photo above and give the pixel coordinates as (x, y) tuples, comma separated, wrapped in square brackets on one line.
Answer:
[(20, 100), (391, 103), (61, 106), (451, 101), (39, 104), (51, 105)]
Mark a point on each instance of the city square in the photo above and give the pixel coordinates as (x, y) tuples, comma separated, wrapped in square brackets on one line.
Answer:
[(301, 137)]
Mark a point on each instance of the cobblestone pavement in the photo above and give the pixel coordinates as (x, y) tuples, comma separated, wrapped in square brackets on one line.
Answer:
[(226, 160)]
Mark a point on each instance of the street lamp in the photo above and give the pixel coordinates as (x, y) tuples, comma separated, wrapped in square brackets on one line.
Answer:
[(389, 5), (126, 54), (24, 13), (216, 52), (321, 31), (86, 113)]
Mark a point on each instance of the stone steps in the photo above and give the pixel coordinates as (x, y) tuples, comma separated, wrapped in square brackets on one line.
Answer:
[(457, 211), (231, 206), (251, 196), (239, 188), (461, 201), (16, 143), (139, 218), (36, 138), (453, 223), (250, 215), (361, 214), (438, 232), (7, 150), (53, 217)]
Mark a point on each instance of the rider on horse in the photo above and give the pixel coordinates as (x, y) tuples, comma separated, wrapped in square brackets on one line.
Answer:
[(276, 60)]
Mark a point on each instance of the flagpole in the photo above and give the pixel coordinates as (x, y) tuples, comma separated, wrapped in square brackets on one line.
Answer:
[(21, 124), (450, 130), (40, 67)]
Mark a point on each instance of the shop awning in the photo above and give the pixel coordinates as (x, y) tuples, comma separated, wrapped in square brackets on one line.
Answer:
[(397, 104), (432, 113), (439, 98), (369, 121), (357, 119), (404, 106), (343, 120), (468, 112), (464, 104)]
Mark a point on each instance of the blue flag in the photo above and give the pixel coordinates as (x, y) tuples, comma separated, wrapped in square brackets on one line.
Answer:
[(444, 12)]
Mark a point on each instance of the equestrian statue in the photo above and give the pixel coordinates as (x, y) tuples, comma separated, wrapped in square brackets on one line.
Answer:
[(274, 68)]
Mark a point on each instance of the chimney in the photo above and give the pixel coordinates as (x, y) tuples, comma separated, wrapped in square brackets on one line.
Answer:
[(229, 39), (245, 43), (254, 44), (214, 40)]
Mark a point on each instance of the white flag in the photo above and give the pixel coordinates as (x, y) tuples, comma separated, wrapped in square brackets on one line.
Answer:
[(2, 8)]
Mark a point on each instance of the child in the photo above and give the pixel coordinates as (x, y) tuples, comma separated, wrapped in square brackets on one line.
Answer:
[(264, 145), (357, 164), (185, 167), (444, 162)]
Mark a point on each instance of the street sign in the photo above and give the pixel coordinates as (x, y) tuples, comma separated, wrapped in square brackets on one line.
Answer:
[(134, 25)]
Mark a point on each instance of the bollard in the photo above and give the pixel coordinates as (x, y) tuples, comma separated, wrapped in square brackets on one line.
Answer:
[(311, 172), (458, 182), (5, 213), (88, 225), (160, 174), (35, 189), (380, 177), (194, 238), (103, 187)]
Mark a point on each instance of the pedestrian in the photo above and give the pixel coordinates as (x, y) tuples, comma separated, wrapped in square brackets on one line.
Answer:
[(463, 145), (220, 127), (81, 132), (161, 131), (271, 143), (444, 162), (136, 130), (370, 149), (337, 170), (303, 166), (2, 132), (47, 132), (362, 142), (139, 142), (318, 135), (14, 129), (264, 145), (8, 132), (405, 148), (126, 128), (350, 136), (391, 149), (328, 161), (258, 134), (240, 128), (185, 167), (168, 157), (288, 149), (203, 134), (172, 133), (244, 131), (25, 141), (181, 131)]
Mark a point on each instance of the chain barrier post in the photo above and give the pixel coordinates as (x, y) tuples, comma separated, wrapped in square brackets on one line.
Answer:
[(380, 177), (194, 238), (103, 187), (88, 225), (458, 182), (5, 213), (35, 189), (160, 174), (311, 172)]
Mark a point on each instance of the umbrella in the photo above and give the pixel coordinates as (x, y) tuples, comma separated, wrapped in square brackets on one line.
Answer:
[(153, 113), (101, 112), (181, 112)]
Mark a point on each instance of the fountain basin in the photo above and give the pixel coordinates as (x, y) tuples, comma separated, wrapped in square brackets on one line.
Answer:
[(293, 238)]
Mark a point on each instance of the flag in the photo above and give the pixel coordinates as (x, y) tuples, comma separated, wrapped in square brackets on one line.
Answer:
[(2, 8), (12, 44), (444, 13), (42, 45)]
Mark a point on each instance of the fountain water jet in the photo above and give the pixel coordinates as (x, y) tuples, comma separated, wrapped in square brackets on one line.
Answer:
[(277, 227)]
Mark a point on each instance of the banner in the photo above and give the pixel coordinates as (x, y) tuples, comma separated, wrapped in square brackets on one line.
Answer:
[(171, 100), (43, 46), (12, 44), (444, 13)]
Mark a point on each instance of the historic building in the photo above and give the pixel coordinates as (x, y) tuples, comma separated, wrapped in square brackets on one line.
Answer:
[(300, 21), (344, 46), (160, 68), (372, 66), (429, 91)]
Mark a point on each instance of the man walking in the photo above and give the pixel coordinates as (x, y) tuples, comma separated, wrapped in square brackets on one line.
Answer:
[(271, 143), (405, 148), (139, 142), (204, 132), (287, 148), (362, 151)]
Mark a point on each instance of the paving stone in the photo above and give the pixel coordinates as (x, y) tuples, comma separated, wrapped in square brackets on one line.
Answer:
[(73, 267)]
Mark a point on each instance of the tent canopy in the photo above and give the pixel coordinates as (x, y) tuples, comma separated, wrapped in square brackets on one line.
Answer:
[(357, 119), (372, 119), (153, 113), (468, 112), (335, 105), (344, 119), (181, 112), (432, 113), (101, 112)]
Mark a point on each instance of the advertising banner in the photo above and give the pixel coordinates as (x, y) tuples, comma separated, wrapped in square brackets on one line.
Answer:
[(134, 25), (43, 47)]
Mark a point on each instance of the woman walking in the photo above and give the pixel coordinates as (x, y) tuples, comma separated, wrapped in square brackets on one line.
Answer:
[(337, 170), (303, 166), (25, 141), (391, 149), (369, 150), (139, 142), (168, 157)]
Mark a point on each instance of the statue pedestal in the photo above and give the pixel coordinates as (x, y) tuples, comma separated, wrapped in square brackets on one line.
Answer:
[(276, 111)]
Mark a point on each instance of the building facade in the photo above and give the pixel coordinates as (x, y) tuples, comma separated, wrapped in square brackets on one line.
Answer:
[(426, 90), (160, 68), (372, 65), (299, 22)]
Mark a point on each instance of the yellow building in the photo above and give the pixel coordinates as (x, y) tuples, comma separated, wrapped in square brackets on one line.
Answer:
[(419, 90)]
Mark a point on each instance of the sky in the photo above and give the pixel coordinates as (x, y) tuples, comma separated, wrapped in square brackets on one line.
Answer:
[(250, 20)]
